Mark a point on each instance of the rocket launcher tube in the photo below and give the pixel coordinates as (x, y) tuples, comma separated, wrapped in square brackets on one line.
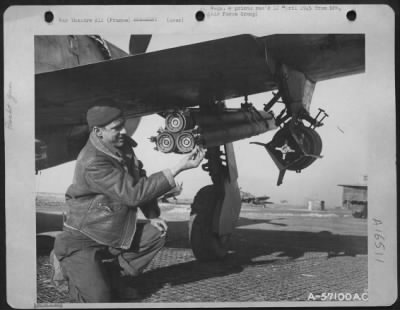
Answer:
[(230, 128)]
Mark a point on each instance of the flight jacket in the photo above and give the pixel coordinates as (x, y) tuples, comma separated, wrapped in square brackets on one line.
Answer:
[(106, 191)]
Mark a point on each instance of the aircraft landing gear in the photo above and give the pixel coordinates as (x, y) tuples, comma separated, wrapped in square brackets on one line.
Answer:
[(216, 207), (206, 245)]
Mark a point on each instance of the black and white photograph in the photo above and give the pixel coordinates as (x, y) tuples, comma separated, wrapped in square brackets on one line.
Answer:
[(181, 159)]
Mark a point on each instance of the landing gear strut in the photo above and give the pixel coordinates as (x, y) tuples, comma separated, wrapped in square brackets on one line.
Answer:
[(216, 207)]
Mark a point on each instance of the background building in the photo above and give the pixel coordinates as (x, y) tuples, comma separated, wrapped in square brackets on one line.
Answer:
[(355, 197)]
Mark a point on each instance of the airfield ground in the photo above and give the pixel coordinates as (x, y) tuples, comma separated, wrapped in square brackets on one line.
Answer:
[(278, 253)]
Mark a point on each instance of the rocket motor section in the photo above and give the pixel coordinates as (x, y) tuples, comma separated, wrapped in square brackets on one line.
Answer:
[(185, 129), (233, 125)]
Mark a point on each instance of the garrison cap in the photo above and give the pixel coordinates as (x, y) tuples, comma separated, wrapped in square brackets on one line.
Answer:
[(101, 115)]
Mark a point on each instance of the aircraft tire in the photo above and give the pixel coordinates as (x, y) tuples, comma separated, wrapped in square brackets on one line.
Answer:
[(206, 245)]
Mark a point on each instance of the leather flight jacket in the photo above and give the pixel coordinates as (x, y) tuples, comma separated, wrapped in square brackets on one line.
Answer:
[(106, 191)]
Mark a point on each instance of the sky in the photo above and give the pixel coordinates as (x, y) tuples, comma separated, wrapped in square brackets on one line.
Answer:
[(344, 135)]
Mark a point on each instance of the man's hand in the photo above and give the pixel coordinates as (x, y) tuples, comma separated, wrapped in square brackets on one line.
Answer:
[(160, 224), (189, 161)]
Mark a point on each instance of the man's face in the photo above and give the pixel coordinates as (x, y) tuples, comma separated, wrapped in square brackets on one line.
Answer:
[(114, 133)]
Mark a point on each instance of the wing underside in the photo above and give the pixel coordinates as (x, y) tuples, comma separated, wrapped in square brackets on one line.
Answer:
[(188, 75)]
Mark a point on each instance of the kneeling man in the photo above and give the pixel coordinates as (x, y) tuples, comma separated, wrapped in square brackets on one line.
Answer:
[(108, 187)]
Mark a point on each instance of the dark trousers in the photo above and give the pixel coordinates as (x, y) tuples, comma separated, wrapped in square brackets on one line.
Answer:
[(93, 272)]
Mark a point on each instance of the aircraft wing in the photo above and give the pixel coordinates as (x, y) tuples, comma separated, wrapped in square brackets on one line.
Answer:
[(319, 56), (154, 82), (190, 75)]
